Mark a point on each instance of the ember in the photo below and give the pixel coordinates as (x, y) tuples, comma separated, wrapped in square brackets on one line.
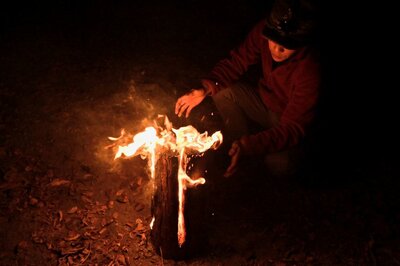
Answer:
[(182, 142)]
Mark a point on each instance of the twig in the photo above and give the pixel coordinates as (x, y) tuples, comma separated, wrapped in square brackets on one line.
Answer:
[(87, 256), (162, 259)]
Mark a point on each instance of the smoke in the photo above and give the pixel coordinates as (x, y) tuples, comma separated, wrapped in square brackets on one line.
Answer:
[(132, 109)]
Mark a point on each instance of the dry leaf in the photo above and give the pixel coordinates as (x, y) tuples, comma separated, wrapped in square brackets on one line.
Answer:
[(72, 210), (60, 214), (59, 182), (86, 251), (139, 228), (72, 236), (119, 192), (121, 259), (130, 224), (88, 193), (139, 207), (22, 245), (123, 199), (71, 250), (70, 260), (33, 201), (86, 199)]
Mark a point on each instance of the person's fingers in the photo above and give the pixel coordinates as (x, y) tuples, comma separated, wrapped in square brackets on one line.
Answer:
[(235, 160), (230, 171), (231, 151), (233, 166), (178, 105), (189, 110), (234, 149), (182, 109)]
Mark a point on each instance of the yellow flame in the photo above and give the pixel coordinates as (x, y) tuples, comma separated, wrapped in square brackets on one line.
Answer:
[(182, 142), (152, 222)]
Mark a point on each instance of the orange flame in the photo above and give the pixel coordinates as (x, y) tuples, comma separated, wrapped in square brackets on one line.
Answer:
[(182, 142)]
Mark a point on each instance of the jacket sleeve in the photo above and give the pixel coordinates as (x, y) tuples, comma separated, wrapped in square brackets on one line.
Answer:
[(295, 119), (230, 69)]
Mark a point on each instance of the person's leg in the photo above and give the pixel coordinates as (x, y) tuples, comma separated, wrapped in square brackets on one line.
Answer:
[(238, 105)]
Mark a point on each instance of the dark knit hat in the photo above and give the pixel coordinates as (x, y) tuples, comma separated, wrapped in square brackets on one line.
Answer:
[(291, 23)]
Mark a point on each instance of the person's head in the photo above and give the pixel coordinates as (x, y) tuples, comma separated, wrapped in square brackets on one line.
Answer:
[(290, 25), (278, 52)]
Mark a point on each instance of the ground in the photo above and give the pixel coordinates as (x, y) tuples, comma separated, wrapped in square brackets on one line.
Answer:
[(74, 74)]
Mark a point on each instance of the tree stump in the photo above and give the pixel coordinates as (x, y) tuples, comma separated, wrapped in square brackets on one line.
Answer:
[(164, 208)]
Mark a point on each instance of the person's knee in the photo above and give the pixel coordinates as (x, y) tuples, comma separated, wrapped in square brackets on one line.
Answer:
[(223, 96)]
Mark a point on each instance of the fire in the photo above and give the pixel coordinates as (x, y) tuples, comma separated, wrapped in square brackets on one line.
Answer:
[(181, 142)]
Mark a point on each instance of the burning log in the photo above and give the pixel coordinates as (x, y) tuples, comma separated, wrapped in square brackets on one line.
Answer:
[(164, 208), (168, 150)]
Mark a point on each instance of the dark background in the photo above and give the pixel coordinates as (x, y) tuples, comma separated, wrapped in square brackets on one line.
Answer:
[(359, 94)]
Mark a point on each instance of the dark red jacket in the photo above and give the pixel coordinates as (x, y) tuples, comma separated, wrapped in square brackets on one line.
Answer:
[(291, 90)]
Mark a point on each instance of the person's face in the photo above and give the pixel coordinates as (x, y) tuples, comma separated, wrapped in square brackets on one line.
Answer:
[(278, 52)]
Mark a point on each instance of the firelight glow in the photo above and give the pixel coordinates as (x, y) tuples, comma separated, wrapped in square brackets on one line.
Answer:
[(181, 142)]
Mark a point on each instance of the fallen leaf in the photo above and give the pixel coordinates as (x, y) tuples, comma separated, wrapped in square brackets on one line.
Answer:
[(72, 210), (59, 182), (69, 251), (119, 192), (123, 199), (139, 207), (130, 224), (70, 260), (60, 214), (22, 245), (49, 245), (102, 231), (72, 236), (86, 251), (139, 228), (88, 193), (127, 260), (33, 201), (86, 199), (121, 259)]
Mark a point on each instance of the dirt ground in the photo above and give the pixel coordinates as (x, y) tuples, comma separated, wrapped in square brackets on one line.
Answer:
[(74, 74)]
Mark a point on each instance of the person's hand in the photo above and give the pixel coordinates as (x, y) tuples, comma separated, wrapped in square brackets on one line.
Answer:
[(188, 101), (235, 153)]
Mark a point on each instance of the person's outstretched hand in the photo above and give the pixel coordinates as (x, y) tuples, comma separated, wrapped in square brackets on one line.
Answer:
[(188, 101), (235, 153)]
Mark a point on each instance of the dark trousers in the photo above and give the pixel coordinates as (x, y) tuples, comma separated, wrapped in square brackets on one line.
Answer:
[(243, 112)]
